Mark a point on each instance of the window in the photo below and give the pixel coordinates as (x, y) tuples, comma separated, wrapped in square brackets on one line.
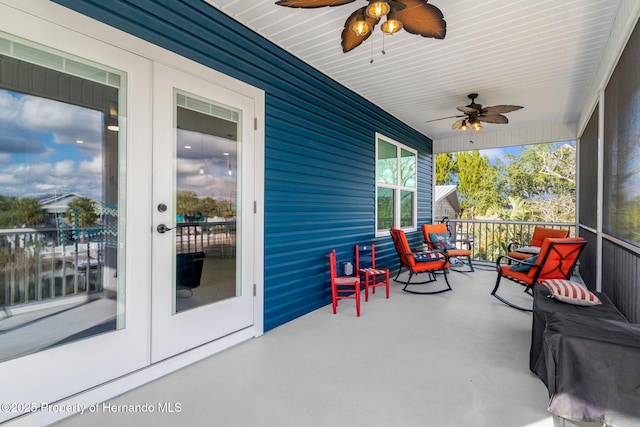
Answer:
[(396, 199)]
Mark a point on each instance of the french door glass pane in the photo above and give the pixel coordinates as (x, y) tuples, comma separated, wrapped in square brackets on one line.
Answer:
[(61, 201), (207, 195)]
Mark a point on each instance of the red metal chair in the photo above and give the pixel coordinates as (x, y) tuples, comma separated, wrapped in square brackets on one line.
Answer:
[(343, 287), (556, 260), (539, 234), (441, 229), (373, 276), (439, 261)]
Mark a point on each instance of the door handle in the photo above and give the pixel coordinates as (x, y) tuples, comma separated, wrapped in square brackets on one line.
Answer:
[(163, 228)]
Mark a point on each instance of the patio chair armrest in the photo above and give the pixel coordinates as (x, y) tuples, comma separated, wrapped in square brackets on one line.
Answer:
[(499, 263), (513, 246)]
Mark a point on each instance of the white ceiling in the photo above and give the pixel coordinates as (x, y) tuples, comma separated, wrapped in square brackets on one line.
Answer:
[(544, 55)]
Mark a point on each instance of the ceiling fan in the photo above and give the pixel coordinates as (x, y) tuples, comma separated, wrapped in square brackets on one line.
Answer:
[(415, 16), (475, 113)]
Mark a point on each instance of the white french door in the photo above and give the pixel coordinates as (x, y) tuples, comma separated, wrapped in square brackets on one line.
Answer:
[(79, 315), (203, 212), (100, 302)]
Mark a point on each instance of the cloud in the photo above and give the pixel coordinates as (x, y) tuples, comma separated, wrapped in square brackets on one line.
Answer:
[(39, 152), (28, 122), (493, 154)]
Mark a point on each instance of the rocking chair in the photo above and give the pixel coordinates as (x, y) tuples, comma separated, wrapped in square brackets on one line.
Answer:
[(517, 251), (434, 236), (419, 262), (556, 260)]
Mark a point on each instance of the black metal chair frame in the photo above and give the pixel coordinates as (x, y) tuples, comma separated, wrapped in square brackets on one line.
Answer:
[(561, 267)]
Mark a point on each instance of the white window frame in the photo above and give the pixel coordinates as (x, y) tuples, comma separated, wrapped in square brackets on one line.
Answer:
[(397, 187)]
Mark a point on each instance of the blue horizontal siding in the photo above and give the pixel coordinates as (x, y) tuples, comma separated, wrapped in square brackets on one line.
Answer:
[(319, 146)]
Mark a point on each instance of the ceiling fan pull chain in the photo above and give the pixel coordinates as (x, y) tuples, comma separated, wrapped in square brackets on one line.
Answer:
[(383, 52), (371, 60)]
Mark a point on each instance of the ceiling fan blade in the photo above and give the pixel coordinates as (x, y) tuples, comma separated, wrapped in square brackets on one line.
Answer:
[(350, 39), (494, 118), (419, 17), (500, 109), (444, 118), (468, 110), (457, 124), (310, 4)]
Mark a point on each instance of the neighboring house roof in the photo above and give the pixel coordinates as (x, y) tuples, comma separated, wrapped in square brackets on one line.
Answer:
[(449, 192), (58, 203)]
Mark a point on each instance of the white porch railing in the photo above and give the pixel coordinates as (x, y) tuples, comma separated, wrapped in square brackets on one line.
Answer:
[(490, 238), (38, 264), (42, 264)]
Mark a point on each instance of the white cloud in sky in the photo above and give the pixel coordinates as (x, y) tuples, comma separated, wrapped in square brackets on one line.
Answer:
[(38, 149), (492, 153)]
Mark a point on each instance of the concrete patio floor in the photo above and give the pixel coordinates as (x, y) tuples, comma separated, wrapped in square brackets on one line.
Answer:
[(454, 359)]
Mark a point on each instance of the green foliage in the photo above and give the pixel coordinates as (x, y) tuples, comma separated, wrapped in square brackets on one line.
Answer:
[(19, 211), (479, 183), (446, 168), (82, 212), (188, 204), (537, 185)]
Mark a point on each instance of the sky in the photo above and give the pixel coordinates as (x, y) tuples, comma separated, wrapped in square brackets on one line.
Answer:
[(49, 147), (495, 154), (499, 153)]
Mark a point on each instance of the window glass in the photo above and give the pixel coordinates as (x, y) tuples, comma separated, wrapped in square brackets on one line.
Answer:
[(208, 148), (61, 198), (385, 208), (396, 185), (408, 168), (406, 208), (387, 163)]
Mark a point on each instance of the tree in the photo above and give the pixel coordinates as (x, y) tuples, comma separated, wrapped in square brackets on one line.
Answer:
[(544, 175), (537, 185), (28, 211), (15, 211), (187, 203), (81, 211), (446, 169), (209, 207), (479, 183), (5, 211)]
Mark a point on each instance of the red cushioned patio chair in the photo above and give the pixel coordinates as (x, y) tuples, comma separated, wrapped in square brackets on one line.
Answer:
[(433, 261), (556, 260), (539, 234), (431, 232)]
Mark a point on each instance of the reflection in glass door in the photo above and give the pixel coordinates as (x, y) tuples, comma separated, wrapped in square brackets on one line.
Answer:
[(207, 152), (59, 210)]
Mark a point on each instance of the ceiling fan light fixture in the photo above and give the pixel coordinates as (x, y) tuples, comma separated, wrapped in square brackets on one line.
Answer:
[(377, 9), (463, 127), (476, 125), (360, 26), (392, 25)]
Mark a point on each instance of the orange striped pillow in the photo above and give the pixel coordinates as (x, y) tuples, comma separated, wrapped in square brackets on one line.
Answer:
[(571, 292)]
